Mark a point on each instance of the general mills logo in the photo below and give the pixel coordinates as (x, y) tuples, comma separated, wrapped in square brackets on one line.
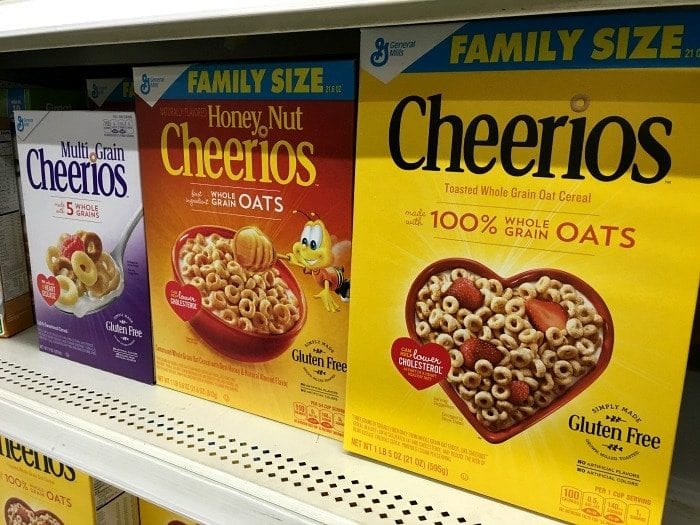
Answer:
[(95, 91), (20, 124), (381, 55), (145, 86)]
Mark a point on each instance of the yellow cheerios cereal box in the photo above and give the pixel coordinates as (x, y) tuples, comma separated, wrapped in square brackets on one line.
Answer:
[(37, 489), (247, 184), (152, 514), (526, 256)]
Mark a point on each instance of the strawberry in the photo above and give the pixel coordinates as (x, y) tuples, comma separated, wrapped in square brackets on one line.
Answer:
[(475, 349), (72, 244), (466, 293), (519, 392), (546, 314)]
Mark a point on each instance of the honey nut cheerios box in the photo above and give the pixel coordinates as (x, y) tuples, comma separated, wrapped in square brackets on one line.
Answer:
[(82, 197), (247, 179), (38, 490), (525, 256)]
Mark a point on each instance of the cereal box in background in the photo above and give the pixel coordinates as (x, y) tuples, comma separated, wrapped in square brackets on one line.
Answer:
[(247, 184), (82, 194), (151, 514), (15, 299), (112, 94), (37, 489), (525, 256)]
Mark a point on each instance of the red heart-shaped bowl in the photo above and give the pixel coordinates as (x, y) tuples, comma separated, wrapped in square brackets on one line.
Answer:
[(603, 353), (37, 513), (230, 340)]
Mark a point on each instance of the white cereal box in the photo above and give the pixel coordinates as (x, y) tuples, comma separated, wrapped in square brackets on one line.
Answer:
[(82, 195)]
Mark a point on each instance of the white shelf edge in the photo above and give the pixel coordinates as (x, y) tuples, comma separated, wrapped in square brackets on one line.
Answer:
[(46, 24)]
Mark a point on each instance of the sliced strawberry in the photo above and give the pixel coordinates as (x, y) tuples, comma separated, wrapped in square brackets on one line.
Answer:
[(519, 390), (475, 349), (546, 314), (466, 293), (72, 244)]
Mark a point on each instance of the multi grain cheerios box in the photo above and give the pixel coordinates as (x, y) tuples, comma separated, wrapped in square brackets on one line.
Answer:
[(82, 196), (151, 514), (110, 94), (247, 178), (525, 256), (37, 489)]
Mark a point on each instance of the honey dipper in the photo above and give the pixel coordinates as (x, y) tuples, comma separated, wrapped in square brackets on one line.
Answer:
[(253, 250)]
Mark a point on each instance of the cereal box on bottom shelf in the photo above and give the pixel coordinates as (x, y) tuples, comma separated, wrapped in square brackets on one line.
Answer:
[(151, 514), (525, 256), (38, 490), (247, 185), (82, 196)]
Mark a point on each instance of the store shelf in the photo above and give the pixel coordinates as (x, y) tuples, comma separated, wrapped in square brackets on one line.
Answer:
[(217, 464), (46, 24)]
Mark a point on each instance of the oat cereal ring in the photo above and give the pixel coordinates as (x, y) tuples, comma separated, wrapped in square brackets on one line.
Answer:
[(232, 295), (490, 414), (483, 399), (574, 328), (527, 291), (585, 313), (206, 302), (514, 323), (549, 357), (198, 282), (284, 313), (265, 307), (548, 384), (445, 340), (484, 368), (485, 333), (563, 369), (498, 304), (588, 360), (591, 331), (450, 304), (568, 292), (577, 368), (585, 346), (497, 321), (229, 316), (52, 255), (502, 375), (449, 324), (455, 376), (542, 399), (462, 314), (435, 317), (218, 300), (500, 392), (516, 306), (486, 384), (422, 310), (555, 336), (69, 291), (246, 307), (458, 273), (220, 269), (569, 306), (543, 284), (424, 294), (246, 293), (484, 312), (567, 352), (459, 336), (530, 335), (456, 358), (552, 294), (473, 323), (598, 320), (506, 406), (467, 394), (471, 380), (63, 266), (563, 381), (435, 280), (260, 322), (213, 282), (508, 341), (84, 267), (495, 286), (244, 324), (539, 369), (521, 358)]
